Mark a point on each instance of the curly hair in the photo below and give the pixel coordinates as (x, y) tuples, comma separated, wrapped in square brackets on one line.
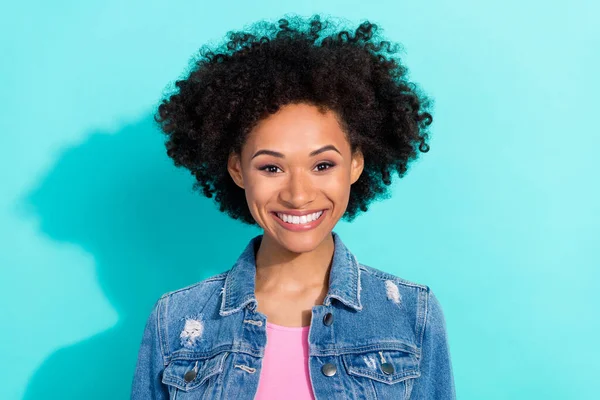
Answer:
[(229, 88)]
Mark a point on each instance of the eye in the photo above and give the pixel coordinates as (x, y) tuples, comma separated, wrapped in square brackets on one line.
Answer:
[(268, 168), (272, 169), (327, 164)]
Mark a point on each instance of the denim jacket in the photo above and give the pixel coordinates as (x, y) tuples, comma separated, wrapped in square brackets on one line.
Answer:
[(376, 336)]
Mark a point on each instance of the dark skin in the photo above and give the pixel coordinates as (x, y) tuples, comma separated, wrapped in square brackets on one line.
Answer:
[(292, 268)]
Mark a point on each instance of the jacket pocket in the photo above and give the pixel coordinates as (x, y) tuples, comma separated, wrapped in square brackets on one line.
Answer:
[(193, 378), (383, 373)]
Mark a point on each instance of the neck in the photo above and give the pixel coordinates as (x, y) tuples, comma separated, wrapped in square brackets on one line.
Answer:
[(279, 269)]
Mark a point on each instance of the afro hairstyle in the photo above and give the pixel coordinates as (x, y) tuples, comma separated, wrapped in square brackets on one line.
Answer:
[(229, 88)]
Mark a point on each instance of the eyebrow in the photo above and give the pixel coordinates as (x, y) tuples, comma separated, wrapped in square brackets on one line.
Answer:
[(312, 153)]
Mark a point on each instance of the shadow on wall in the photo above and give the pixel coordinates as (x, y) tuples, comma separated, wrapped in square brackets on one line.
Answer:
[(120, 198)]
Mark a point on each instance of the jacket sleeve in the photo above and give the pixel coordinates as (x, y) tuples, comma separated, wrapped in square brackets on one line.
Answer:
[(436, 381), (147, 380)]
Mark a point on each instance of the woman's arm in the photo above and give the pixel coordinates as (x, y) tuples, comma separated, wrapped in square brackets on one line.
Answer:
[(436, 381), (147, 381)]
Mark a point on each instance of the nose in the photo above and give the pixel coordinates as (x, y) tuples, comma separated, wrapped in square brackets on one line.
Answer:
[(298, 189)]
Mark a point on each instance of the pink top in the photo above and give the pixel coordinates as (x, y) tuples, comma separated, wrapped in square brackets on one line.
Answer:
[(284, 373)]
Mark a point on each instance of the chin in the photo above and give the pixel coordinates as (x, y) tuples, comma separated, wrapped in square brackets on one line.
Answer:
[(302, 242)]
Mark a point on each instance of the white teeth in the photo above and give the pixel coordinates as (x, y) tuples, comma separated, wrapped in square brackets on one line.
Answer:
[(294, 219)]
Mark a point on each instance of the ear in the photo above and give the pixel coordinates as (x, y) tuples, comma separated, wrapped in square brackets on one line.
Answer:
[(358, 164), (234, 166)]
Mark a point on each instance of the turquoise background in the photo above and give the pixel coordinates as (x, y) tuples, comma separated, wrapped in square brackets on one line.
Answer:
[(500, 218)]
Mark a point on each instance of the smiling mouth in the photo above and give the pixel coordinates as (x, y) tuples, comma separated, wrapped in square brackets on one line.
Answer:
[(320, 215)]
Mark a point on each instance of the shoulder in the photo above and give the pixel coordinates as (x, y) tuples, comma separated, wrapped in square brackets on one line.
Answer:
[(419, 289), (418, 297), (185, 309), (386, 276), (397, 289), (196, 291)]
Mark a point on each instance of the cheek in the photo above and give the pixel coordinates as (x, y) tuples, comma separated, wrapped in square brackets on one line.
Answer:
[(337, 186), (259, 192), (255, 200)]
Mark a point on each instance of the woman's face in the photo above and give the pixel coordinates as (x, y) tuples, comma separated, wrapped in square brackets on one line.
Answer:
[(279, 174)]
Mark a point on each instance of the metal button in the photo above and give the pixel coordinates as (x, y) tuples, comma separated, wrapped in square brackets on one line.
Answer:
[(387, 368), (329, 369), (190, 375), (328, 319)]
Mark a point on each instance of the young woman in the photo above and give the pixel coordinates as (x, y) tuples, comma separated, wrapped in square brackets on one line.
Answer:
[(292, 128)]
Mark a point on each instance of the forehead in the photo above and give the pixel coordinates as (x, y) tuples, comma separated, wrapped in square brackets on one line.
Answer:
[(296, 127)]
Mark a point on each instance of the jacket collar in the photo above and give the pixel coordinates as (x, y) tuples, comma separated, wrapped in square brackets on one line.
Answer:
[(344, 279)]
